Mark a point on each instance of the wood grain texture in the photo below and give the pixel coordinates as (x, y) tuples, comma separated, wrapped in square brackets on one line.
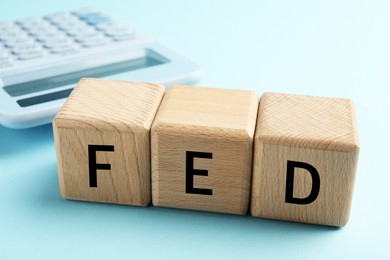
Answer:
[(315, 130), (217, 121), (107, 112)]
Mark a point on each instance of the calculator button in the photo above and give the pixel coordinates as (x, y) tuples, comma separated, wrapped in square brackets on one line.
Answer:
[(31, 21), (43, 37), (83, 32), (121, 31), (4, 35), (52, 43), (10, 31), (94, 18), (7, 26), (61, 19), (4, 54), (6, 59), (42, 30), (13, 42), (57, 21), (70, 23), (121, 35), (59, 16), (97, 20), (17, 39), (38, 28), (31, 55), (74, 28), (64, 48), (86, 37), (124, 37), (19, 42), (92, 42), (13, 35), (111, 26), (80, 28), (26, 48)]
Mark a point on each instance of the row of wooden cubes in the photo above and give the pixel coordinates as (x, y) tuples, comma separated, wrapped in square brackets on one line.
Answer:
[(288, 157)]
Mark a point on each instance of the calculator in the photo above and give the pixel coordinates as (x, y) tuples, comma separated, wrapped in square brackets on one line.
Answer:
[(42, 59)]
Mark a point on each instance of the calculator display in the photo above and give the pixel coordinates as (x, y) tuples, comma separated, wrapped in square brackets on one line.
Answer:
[(73, 77)]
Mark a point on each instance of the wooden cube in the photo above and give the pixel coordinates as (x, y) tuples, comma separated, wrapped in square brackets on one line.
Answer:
[(102, 137), (305, 158), (202, 142)]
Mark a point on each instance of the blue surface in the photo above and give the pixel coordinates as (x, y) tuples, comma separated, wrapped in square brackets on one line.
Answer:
[(326, 48)]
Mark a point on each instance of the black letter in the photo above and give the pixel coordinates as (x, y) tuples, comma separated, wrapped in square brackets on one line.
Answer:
[(93, 166), (190, 172), (315, 187)]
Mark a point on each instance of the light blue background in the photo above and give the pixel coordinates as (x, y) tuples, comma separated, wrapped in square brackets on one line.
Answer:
[(327, 48)]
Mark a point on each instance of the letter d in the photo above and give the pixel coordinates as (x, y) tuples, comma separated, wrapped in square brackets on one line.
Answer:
[(315, 187)]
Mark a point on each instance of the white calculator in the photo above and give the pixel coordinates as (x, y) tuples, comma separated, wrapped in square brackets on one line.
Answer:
[(42, 59)]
